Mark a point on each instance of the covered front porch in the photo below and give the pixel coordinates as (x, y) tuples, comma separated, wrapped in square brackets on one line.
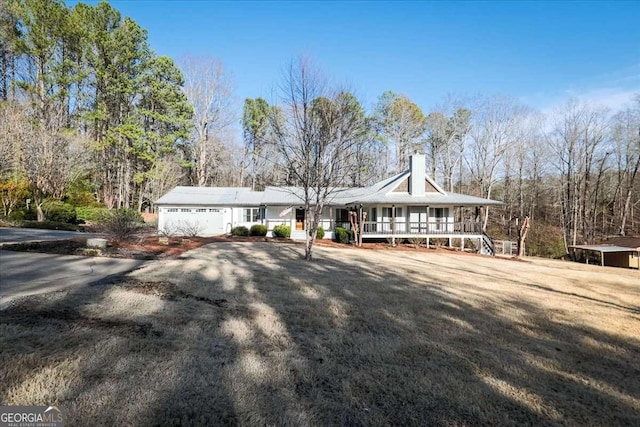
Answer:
[(409, 221), (438, 227), (391, 222), (397, 222)]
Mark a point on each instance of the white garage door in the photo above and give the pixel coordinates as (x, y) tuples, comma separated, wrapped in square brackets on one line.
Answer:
[(211, 222), (208, 222)]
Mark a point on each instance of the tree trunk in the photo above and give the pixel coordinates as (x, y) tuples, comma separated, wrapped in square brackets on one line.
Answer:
[(627, 203), (243, 164), (39, 212), (202, 162), (485, 220), (522, 235)]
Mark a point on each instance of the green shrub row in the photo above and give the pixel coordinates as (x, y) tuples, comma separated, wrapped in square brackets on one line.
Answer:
[(57, 211), (23, 214), (91, 213), (54, 211), (343, 235)]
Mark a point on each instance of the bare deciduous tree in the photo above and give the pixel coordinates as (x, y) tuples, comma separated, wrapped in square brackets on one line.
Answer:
[(318, 125), (447, 130), (496, 127), (14, 122), (163, 176), (626, 140), (401, 124), (47, 157), (209, 90), (578, 133)]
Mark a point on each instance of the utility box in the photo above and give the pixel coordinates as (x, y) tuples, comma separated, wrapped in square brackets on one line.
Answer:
[(97, 243)]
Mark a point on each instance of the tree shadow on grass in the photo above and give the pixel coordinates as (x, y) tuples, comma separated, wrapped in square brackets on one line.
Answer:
[(250, 334), (372, 347)]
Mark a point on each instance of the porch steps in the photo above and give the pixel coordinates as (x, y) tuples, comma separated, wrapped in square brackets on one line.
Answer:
[(298, 235), (487, 245)]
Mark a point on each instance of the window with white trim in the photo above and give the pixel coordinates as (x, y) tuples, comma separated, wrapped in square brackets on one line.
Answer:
[(388, 212), (201, 210), (342, 215), (185, 210), (171, 210), (252, 214)]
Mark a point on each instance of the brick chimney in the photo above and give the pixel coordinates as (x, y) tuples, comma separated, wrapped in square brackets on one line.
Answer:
[(418, 175)]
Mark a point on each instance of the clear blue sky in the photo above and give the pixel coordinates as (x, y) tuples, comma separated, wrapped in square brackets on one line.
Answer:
[(540, 52)]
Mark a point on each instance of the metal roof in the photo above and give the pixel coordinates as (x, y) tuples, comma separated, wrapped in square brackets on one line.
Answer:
[(604, 248), (380, 193), (427, 199), (218, 196)]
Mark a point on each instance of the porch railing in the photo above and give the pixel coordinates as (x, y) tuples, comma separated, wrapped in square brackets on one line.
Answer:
[(387, 227), (432, 227), (270, 223)]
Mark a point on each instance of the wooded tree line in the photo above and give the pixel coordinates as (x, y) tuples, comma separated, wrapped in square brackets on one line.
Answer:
[(89, 114)]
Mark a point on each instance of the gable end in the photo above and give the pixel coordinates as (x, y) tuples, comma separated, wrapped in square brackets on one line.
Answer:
[(403, 187), (429, 188)]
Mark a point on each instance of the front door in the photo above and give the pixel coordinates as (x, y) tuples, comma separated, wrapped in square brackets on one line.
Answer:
[(299, 219), (418, 219)]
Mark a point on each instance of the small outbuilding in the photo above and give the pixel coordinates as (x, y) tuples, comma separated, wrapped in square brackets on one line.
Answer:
[(609, 255)]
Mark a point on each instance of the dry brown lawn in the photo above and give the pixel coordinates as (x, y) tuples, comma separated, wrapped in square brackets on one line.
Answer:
[(251, 334)]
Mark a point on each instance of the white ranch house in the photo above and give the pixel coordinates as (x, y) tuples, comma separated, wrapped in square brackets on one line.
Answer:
[(406, 205)]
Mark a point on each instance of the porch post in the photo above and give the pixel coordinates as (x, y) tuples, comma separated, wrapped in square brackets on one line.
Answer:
[(361, 225), (393, 225), (462, 244), (427, 225)]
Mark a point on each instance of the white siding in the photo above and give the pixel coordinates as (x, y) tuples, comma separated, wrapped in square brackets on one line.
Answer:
[(209, 221)]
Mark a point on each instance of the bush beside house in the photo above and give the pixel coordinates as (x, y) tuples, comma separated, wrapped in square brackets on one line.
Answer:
[(320, 233), (343, 235), (282, 231), (258, 230), (240, 230)]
